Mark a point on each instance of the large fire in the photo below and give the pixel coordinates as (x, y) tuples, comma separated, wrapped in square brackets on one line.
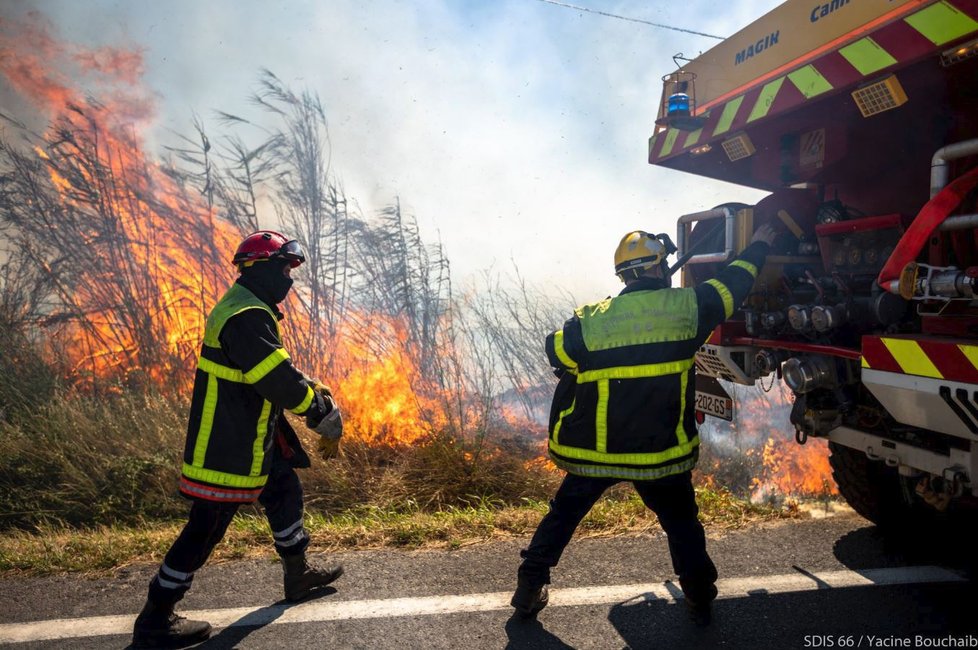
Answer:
[(385, 393), (154, 257)]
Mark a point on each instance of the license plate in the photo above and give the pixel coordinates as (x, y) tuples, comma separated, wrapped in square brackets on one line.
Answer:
[(712, 398), (719, 407)]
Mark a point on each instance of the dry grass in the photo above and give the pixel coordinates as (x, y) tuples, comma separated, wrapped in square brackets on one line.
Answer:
[(52, 549), (85, 462)]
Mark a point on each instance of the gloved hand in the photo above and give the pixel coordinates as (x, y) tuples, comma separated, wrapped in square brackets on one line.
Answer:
[(328, 447), (766, 234), (324, 416)]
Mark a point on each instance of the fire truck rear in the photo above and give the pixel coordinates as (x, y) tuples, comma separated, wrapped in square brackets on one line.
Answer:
[(860, 117)]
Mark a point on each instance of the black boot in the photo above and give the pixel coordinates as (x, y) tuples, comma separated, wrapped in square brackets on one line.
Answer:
[(301, 579), (699, 613), (529, 599), (158, 627), (700, 594)]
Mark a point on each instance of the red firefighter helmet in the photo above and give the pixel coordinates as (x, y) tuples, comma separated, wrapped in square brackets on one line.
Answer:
[(268, 245)]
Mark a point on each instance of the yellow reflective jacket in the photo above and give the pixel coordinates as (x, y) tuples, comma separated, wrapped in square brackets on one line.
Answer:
[(243, 381), (624, 407)]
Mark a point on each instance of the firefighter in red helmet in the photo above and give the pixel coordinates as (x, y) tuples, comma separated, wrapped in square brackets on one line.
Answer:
[(240, 447)]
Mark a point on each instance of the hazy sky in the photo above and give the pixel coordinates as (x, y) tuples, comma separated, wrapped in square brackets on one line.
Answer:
[(514, 130)]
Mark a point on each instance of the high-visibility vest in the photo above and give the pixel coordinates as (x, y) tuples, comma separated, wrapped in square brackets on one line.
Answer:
[(625, 408), (231, 429)]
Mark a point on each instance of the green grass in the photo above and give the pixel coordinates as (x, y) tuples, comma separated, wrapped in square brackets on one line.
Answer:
[(57, 549)]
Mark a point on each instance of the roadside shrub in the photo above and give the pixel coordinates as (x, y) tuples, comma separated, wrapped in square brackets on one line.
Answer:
[(83, 461), (26, 380)]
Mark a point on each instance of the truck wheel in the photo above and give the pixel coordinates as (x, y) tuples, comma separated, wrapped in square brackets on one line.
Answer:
[(872, 489)]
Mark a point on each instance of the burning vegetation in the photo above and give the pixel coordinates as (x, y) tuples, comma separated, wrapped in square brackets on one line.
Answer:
[(756, 455), (111, 259)]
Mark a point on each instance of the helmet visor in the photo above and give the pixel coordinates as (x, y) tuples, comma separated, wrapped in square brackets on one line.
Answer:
[(291, 251)]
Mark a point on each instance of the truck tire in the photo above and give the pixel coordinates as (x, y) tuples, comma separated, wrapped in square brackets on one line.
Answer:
[(873, 490)]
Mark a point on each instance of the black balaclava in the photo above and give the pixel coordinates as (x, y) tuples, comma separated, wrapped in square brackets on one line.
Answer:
[(267, 280)]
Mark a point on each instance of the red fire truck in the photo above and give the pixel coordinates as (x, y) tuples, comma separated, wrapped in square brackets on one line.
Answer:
[(860, 117)]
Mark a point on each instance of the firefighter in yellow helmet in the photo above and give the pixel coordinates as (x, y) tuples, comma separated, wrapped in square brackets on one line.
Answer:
[(240, 448), (623, 409)]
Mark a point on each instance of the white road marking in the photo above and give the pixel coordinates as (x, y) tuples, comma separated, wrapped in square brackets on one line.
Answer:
[(332, 610)]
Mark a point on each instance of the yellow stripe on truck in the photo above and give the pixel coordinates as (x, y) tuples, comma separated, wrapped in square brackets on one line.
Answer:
[(728, 115), (669, 142), (941, 23), (911, 358), (765, 99), (809, 81), (867, 56), (971, 352)]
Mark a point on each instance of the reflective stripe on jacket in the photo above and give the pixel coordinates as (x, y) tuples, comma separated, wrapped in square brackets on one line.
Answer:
[(624, 407), (236, 403)]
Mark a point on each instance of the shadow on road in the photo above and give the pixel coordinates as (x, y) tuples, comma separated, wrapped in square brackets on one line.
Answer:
[(530, 634), (235, 632), (939, 543), (650, 622), (801, 620)]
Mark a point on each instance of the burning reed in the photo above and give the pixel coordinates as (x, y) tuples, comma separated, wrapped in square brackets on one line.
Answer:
[(111, 260)]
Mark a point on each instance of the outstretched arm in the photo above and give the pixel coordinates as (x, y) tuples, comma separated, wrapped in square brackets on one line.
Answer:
[(718, 298)]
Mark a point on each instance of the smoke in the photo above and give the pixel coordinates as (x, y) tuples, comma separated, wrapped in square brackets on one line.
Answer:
[(50, 73), (514, 130)]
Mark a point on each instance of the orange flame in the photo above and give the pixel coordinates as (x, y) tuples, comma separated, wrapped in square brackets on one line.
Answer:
[(793, 469), (382, 391), (757, 454), (143, 278), (787, 467), (162, 229)]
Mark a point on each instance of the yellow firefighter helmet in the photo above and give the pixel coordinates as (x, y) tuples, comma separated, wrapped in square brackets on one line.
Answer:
[(638, 251)]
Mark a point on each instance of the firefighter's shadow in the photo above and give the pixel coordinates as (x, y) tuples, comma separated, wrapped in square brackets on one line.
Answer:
[(650, 621), (236, 631), (530, 634)]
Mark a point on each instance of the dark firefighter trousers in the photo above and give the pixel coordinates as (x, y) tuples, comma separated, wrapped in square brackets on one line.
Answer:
[(671, 498), (209, 520)]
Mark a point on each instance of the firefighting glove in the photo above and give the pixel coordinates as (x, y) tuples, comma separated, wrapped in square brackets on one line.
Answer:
[(317, 386), (330, 430), (328, 447), (323, 415)]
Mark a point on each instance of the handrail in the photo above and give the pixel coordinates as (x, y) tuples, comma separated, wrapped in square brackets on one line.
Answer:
[(682, 236)]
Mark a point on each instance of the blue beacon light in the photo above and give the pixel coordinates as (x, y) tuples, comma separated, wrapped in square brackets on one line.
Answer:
[(678, 105)]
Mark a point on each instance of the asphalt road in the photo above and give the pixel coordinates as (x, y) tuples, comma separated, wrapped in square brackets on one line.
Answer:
[(826, 583)]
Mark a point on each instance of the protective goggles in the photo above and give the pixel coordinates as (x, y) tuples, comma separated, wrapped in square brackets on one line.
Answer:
[(291, 251)]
